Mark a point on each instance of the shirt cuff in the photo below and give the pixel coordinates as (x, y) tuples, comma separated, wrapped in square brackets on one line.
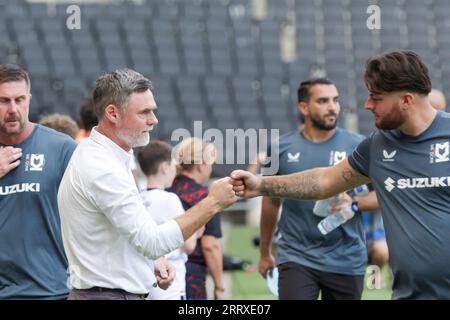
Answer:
[(173, 232)]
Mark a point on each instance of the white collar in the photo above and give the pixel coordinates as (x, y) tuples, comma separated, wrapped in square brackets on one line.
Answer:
[(124, 156)]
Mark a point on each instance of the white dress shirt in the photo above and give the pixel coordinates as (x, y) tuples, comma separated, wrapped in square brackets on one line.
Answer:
[(164, 206), (108, 235)]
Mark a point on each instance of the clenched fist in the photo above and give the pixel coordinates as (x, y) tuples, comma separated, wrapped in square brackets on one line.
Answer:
[(245, 184), (165, 273), (222, 192), (9, 159)]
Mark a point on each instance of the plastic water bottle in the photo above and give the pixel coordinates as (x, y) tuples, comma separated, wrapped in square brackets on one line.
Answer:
[(333, 221), (361, 190), (272, 281), (322, 208)]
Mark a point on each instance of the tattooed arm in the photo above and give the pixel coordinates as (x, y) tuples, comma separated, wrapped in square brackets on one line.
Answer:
[(319, 183)]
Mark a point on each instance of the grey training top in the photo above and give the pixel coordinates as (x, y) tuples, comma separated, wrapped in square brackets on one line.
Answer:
[(340, 251), (33, 264), (411, 176)]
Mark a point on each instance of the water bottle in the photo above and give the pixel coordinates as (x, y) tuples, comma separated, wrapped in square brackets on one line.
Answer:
[(322, 208), (272, 281), (335, 220), (361, 190)]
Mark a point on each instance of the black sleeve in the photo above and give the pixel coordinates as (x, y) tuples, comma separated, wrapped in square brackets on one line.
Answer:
[(186, 205), (212, 228)]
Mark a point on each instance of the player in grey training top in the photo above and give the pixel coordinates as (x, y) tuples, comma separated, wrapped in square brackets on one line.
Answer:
[(408, 160), (32, 260), (413, 173), (309, 262)]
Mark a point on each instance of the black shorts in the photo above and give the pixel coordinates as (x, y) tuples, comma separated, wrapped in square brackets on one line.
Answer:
[(297, 282)]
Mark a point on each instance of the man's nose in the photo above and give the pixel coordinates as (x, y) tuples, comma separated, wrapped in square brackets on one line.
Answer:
[(13, 107), (368, 105), (153, 120), (333, 105)]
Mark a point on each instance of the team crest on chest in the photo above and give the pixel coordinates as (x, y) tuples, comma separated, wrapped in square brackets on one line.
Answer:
[(34, 162), (337, 156), (439, 152)]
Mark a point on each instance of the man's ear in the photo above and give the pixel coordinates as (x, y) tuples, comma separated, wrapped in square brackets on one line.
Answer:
[(303, 107), (112, 113), (408, 99)]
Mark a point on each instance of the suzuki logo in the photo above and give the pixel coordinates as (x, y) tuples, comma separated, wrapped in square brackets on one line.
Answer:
[(389, 184), (389, 156), (293, 158), (18, 188), (417, 183), (37, 162)]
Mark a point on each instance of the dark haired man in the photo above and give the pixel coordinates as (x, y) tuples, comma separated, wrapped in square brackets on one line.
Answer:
[(407, 160), (309, 262), (32, 162)]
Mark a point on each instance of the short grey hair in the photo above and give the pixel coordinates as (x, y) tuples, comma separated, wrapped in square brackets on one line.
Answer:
[(116, 87)]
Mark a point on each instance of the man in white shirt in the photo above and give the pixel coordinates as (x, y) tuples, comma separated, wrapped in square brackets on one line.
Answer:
[(158, 166), (108, 235)]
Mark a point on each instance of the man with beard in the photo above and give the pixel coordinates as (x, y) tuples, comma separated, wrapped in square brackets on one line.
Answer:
[(309, 262), (408, 162), (108, 235), (32, 162)]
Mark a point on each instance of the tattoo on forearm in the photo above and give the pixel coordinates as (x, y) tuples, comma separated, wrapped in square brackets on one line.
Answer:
[(349, 175), (303, 185)]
